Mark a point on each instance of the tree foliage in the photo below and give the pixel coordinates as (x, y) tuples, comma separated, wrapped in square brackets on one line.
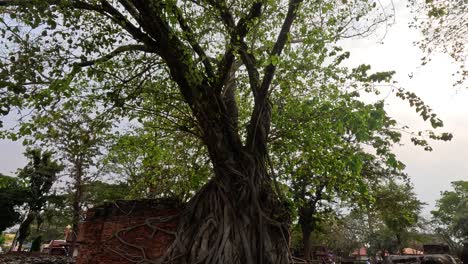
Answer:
[(393, 216), (158, 165), (451, 215), (78, 139), (98, 192), (12, 195)]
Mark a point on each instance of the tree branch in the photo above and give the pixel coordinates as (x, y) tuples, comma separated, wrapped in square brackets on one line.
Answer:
[(260, 119), (104, 8), (237, 34), (194, 43), (115, 52), (248, 58), (118, 18), (279, 45)]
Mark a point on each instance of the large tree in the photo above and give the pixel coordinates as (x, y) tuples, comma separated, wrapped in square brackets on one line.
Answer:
[(322, 161), (220, 59)]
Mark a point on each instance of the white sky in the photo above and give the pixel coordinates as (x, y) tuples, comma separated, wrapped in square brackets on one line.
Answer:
[(431, 172)]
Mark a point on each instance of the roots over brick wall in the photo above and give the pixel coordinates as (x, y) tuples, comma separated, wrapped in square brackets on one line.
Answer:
[(124, 232)]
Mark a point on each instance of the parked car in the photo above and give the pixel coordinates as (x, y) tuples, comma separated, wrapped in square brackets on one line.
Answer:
[(421, 259)]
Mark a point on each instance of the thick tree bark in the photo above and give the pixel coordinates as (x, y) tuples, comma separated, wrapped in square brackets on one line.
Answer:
[(306, 232), (306, 221), (233, 221), (464, 253)]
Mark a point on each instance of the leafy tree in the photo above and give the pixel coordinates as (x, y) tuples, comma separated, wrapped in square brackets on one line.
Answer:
[(220, 59), (398, 209), (39, 175), (77, 138), (386, 220), (317, 144), (342, 233), (451, 215), (12, 195), (58, 213)]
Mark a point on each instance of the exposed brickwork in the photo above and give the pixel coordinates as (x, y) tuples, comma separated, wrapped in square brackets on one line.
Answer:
[(143, 226)]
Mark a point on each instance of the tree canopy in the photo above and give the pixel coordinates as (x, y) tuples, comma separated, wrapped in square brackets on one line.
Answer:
[(235, 76)]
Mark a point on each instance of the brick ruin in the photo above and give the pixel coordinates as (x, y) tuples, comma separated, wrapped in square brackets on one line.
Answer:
[(128, 232)]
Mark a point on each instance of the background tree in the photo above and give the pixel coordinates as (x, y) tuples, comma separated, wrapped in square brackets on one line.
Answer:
[(12, 195), (2, 239), (39, 175), (451, 216), (58, 213), (398, 209), (98, 192), (55, 216), (77, 137), (316, 142)]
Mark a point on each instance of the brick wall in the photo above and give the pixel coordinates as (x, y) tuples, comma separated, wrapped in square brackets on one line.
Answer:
[(127, 231)]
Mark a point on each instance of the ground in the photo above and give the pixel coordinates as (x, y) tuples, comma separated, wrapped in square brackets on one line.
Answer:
[(35, 259)]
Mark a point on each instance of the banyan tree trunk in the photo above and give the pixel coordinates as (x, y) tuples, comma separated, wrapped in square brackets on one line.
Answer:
[(235, 218)]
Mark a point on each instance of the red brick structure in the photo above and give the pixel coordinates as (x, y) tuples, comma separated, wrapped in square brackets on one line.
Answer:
[(127, 232)]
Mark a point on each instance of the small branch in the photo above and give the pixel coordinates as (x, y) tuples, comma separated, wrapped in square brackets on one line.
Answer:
[(193, 42), (261, 115), (238, 32), (118, 18), (115, 52), (247, 58), (279, 45)]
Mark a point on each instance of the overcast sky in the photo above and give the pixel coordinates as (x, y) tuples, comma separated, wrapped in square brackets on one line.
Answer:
[(431, 172)]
